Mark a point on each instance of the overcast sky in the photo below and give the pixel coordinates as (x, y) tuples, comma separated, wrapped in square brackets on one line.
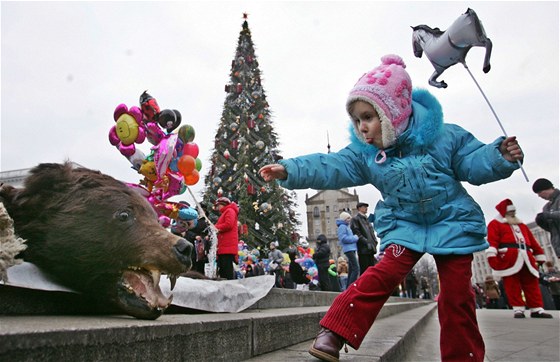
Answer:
[(67, 65)]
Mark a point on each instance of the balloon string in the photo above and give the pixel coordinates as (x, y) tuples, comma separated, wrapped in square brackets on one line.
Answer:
[(495, 115)]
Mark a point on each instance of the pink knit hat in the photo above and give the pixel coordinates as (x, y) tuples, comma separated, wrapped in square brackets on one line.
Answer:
[(388, 89)]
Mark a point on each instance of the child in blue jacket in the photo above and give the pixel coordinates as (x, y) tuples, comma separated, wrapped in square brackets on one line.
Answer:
[(401, 146), (349, 245)]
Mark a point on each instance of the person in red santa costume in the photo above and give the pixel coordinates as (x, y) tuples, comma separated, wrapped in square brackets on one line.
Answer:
[(513, 255)]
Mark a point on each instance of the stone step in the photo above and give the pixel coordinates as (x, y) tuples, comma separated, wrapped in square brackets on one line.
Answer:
[(172, 337), (390, 339)]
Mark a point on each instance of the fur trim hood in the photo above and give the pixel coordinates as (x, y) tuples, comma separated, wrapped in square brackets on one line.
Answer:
[(425, 125)]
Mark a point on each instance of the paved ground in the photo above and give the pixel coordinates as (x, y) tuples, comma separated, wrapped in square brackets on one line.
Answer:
[(506, 339)]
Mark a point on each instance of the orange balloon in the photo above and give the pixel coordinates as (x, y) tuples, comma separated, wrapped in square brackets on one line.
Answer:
[(192, 178), (186, 164)]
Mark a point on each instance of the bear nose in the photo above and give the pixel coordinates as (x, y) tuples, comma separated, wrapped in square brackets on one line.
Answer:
[(183, 248)]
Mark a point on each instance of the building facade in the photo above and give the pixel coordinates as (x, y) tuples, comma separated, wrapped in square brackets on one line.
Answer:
[(323, 209)]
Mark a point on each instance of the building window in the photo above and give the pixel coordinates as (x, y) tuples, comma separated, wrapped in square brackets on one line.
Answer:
[(335, 208), (316, 212), (327, 208)]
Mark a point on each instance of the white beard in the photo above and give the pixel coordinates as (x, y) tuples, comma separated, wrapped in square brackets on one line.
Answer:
[(513, 220)]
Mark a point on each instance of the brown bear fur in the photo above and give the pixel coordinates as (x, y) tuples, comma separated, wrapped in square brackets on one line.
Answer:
[(96, 235)]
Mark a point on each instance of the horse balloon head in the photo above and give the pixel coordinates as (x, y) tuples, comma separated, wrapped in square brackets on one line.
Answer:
[(449, 47)]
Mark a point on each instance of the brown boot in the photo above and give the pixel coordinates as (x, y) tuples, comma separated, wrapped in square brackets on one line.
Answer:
[(327, 345)]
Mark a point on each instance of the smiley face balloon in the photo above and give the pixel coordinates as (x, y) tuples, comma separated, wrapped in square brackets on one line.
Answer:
[(127, 129)]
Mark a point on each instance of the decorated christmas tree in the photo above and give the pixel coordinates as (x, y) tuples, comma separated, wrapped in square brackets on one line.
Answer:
[(245, 141)]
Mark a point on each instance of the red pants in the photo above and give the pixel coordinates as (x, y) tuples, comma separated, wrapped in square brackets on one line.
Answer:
[(523, 280), (354, 311)]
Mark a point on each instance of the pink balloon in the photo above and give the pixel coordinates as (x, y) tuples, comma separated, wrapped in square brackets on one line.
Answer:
[(127, 150), (164, 221), (119, 111), (113, 137), (190, 149)]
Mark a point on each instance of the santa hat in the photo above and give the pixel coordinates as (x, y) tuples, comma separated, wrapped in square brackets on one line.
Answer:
[(388, 89), (504, 206)]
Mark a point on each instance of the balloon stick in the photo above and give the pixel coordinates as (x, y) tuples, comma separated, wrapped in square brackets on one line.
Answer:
[(199, 208), (212, 231), (495, 115)]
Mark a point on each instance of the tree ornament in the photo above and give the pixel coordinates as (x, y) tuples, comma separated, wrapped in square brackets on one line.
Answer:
[(226, 154)]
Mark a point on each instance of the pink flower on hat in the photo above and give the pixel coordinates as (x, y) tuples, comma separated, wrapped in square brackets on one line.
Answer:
[(388, 89)]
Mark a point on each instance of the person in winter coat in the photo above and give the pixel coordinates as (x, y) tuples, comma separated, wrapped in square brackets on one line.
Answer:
[(299, 276), (333, 276), (199, 237), (549, 218), (400, 145), (349, 244), (275, 259), (321, 258), (342, 270), (513, 255), (551, 276), (492, 292), (367, 242), (228, 238)]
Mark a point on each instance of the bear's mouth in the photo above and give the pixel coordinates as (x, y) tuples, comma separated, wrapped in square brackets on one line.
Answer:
[(139, 293)]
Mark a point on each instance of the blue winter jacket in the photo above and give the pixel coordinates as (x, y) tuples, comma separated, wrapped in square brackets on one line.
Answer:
[(346, 238), (424, 208)]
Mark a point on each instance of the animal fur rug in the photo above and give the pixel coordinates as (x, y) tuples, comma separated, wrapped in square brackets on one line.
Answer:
[(10, 244)]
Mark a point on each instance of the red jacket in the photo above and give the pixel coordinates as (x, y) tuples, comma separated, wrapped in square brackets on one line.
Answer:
[(511, 247), (227, 230)]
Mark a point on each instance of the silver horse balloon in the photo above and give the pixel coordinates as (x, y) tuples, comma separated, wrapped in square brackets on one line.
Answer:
[(447, 48)]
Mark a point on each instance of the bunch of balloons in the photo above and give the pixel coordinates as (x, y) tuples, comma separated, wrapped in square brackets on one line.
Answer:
[(172, 163)]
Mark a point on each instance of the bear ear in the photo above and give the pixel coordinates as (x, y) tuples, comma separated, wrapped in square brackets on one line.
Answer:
[(7, 194), (47, 177)]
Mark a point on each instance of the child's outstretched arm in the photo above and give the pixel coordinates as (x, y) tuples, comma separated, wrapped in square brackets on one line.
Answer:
[(511, 150), (273, 172)]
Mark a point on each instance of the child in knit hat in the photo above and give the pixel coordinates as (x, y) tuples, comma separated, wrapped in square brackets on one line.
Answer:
[(400, 145)]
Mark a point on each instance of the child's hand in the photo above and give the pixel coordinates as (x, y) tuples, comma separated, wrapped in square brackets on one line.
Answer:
[(273, 172), (510, 150)]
